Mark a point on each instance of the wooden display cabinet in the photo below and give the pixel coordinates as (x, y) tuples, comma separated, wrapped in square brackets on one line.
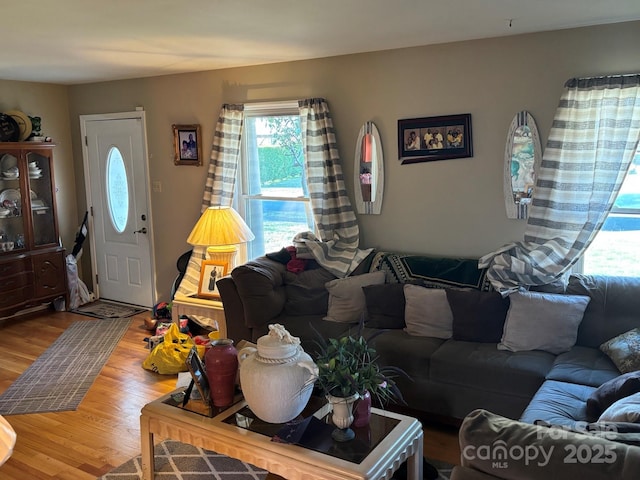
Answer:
[(32, 261)]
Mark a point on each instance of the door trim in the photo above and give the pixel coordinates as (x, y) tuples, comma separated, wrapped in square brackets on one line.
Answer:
[(136, 115)]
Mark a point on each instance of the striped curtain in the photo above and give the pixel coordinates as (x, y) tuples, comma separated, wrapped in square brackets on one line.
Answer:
[(592, 142), (220, 184), (337, 249)]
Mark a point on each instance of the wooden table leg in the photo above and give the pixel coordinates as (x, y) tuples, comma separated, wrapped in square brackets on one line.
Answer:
[(414, 462), (146, 444)]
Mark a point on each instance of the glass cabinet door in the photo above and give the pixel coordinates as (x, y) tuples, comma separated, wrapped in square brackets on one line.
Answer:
[(39, 168), (12, 224)]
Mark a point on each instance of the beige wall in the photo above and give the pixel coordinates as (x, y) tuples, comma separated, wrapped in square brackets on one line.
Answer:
[(452, 207), (51, 103)]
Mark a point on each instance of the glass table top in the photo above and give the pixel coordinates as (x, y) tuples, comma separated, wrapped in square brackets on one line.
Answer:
[(314, 433), (311, 429)]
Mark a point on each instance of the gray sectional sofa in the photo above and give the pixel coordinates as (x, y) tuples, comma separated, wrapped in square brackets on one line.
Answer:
[(449, 377)]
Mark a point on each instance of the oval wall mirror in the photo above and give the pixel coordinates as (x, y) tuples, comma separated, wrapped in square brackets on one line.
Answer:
[(368, 170), (522, 157)]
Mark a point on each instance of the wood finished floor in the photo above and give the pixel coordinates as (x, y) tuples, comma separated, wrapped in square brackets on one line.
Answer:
[(104, 432)]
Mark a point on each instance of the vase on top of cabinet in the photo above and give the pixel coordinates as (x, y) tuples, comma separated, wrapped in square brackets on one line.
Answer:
[(32, 262)]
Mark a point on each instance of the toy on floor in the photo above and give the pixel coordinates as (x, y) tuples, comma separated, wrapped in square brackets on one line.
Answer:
[(161, 328)]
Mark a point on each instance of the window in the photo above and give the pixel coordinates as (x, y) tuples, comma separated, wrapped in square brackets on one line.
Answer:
[(274, 198), (117, 190), (616, 248)]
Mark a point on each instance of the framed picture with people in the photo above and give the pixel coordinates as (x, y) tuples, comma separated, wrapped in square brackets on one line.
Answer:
[(434, 138), (186, 143), (210, 272)]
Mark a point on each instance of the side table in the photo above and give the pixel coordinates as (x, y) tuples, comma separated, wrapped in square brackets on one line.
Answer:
[(192, 305)]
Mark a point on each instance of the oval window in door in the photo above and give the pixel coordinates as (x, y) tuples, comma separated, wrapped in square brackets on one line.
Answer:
[(117, 190)]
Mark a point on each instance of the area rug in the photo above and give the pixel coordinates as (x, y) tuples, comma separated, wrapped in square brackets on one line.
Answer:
[(59, 378), (180, 461), (108, 309)]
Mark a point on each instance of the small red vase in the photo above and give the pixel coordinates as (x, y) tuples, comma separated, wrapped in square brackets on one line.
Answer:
[(221, 363), (362, 411)]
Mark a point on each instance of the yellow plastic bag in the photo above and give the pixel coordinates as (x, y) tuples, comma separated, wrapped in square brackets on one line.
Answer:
[(169, 357)]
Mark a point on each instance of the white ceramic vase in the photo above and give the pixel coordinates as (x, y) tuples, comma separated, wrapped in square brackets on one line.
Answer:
[(277, 377)]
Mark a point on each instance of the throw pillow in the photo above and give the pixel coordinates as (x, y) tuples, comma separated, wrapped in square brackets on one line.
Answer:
[(609, 392), (542, 321), (624, 410), (427, 312), (346, 298), (384, 305), (477, 316), (624, 350)]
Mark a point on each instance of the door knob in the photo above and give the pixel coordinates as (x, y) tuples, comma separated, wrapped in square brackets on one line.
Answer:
[(142, 230)]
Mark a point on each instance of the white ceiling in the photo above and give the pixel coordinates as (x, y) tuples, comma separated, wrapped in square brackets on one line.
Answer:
[(81, 41)]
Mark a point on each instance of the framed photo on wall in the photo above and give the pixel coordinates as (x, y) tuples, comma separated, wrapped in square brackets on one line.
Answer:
[(434, 138), (210, 272), (186, 144)]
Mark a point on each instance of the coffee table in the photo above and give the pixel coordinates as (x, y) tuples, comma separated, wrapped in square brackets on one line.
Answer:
[(376, 452)]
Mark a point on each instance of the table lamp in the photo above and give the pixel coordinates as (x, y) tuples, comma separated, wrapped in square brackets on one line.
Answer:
[(220, 229)]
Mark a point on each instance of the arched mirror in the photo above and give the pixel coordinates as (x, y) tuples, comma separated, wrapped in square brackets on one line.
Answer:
[(368, 170), (522, 157)]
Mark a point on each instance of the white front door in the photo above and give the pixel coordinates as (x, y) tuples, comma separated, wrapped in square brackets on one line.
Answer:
[(116, 179)]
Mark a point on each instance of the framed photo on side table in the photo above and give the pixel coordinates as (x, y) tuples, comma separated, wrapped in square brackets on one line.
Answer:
[(186, 144), (210, 271), (434, 138), (199, 376)]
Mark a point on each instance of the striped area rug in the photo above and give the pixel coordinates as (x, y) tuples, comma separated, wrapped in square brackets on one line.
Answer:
[(59, 378)]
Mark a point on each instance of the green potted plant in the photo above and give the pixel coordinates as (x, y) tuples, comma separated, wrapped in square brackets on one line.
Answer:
[(348, 369)]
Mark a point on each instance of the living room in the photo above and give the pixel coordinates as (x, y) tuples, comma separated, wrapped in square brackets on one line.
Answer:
[(449, 208)]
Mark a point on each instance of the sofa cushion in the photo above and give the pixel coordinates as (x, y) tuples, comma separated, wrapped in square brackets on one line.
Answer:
[(626, 409), (306, 292), (483, 366), (346, 298), (559, 403), (542, 321), (412, 354), (465, 473), (477, 316), (427, 312), (613, 308), (384, 305), (624, 350), (609, 392), (583, 365), (484, 435)]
